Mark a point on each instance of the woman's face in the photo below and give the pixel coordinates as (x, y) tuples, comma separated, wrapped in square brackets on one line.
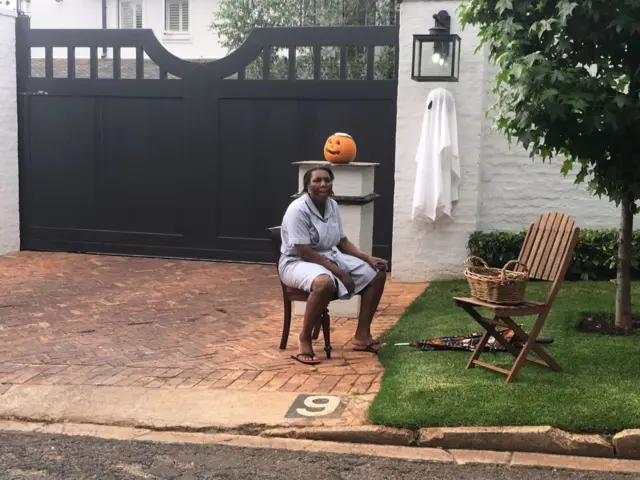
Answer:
[(320, 185)]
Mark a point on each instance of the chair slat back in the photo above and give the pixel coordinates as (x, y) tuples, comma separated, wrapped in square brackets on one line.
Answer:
[(548, 248), (276, 242)]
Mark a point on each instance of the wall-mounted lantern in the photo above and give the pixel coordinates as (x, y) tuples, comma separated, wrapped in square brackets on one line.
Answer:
[(436, 56)]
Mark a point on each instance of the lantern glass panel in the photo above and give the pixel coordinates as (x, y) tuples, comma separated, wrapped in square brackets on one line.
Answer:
[(436, 57)]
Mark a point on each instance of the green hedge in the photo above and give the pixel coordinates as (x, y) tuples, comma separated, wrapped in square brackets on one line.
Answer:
[(595, 256)]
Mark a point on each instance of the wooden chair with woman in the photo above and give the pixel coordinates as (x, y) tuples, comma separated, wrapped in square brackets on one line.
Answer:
[(317, 263), (290, 295)]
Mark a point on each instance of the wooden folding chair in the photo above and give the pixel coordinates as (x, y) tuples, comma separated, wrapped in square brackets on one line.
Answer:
[(547, 251)]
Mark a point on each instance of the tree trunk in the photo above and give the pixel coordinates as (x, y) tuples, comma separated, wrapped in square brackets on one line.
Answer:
[(623, 293)]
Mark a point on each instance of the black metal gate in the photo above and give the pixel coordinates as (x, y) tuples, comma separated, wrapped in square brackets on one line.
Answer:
[(160, 156)]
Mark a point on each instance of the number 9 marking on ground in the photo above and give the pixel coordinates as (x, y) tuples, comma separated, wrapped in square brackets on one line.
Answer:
[(314, 406), (322, 404)]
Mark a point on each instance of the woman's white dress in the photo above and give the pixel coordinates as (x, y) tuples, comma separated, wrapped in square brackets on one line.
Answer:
[(303, 225)]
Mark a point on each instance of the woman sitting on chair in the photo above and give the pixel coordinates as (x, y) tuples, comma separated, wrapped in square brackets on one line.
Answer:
[(311, 231)]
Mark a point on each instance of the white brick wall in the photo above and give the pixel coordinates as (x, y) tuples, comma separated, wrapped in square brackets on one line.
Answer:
[(433, 251), (9, 216), (502, 188), (515, 189)]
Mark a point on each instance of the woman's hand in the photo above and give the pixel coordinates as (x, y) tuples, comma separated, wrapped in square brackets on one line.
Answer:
[(376, 262), (345, 246), (348, 282)]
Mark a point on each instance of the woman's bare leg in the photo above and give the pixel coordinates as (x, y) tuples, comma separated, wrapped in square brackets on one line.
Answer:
[(370, 298), (322, 292)]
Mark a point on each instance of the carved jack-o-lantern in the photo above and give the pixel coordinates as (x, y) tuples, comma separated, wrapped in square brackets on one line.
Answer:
[(340, 148)]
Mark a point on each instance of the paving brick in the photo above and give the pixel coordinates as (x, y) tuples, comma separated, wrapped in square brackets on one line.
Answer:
[(193, 373), (211, 379), (107, 320), (173, 382), (327, 384), (244, 380), (171, 372), (345, 384), (375, 385), (261, 380), (97, 380), (7, 377), (142, 381), (278, 381), (311, 384), (156, 383), (62, 376), (190, 382), (228, 379), (10, 367), (362, 384), (130, 380), (121, 375), (294, 383), (24, 374), (101, 374), (85, 377)]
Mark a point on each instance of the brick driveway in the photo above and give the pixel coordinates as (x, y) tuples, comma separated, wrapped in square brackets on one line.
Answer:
[(102, 320)]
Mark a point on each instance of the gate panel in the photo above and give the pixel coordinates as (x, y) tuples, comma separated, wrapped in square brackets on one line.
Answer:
[(257, 146), (140, 168), (60, 180)]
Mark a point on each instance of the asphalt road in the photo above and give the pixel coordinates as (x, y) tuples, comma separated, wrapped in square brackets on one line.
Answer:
[(40, 457)]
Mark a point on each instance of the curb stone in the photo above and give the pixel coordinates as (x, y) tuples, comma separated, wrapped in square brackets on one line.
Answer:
[(370, 434), (521, 439), (547, 440), (627, 443)]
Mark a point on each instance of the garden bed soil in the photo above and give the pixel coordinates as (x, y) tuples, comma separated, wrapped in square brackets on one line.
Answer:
[(606, 325)]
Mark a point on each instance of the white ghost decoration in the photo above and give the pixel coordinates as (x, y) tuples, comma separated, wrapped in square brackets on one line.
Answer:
[(438, 162)]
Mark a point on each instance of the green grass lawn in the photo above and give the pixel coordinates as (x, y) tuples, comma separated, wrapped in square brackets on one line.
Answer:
[(599, 391)]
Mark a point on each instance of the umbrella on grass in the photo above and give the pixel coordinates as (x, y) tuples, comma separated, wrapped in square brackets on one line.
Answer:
[(468, 343)]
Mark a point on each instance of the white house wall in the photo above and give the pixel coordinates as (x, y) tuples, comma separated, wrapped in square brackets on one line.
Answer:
[(9, 211), (69, 14), (502, 188), (201, 42), (515, 189), (422, 251)]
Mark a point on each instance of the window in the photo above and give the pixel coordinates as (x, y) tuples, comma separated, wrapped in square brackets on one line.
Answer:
[(131, 14), (176, 17)]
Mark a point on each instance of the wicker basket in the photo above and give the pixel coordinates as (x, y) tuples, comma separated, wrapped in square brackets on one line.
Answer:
[(496, 285)]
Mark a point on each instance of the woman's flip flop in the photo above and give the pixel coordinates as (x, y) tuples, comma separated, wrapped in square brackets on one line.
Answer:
[(371, 348), (300, 357)]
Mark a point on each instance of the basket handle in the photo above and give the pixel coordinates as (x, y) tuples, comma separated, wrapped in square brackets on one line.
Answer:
[(508, 264), (467, 262)]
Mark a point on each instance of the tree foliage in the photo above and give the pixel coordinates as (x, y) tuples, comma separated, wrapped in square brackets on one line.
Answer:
[(569, 86), (568, 83), (235, 19)]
